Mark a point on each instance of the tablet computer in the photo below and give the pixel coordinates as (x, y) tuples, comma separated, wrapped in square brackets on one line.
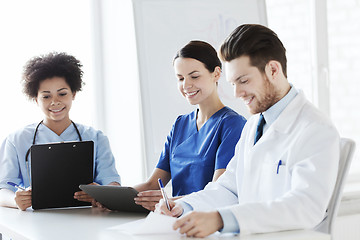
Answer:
[(57, 170), (116, 198)]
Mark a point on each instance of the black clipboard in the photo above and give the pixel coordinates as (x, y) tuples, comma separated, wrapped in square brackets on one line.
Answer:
[(57, 170), (115, 198)]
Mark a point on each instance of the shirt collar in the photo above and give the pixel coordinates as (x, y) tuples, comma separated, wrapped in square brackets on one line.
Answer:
[(274, 111)]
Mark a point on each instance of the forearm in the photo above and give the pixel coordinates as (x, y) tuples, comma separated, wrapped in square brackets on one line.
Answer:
[(145, 187), (114, 184), (7, 198), (152, 182), (208, 198), (177, 197)]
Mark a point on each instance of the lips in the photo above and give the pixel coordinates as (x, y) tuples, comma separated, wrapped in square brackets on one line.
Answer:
[(56, 110), (191, 94), (247, 101)]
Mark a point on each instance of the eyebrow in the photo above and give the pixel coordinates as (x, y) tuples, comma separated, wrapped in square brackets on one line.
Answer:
[(193, 72), (62, 89), (240, 77), (57, 90), (188, 73)]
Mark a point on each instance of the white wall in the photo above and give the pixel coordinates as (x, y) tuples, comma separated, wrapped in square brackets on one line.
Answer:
[(118, 89)]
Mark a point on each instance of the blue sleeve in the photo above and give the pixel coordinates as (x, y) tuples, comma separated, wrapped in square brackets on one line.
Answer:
[(229, 221), (186, 207), (105, 171), (9, 166), (230, 134), (164, 160)]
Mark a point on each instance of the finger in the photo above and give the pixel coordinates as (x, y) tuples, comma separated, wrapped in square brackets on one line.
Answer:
[(177, 211), (23, 193), (24, 201), (150, 193), (82, 196), (163, 208), (84, 199), (79, 193), (24, 205), (146, 204), (148, 199), (99, 205), (193, 232), (103, 208), (21, 200), (186, 227), (181, 221), (150, 208)]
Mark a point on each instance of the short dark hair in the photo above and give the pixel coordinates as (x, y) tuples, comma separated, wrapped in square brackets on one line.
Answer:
[(257, 42), (51, 65), (201, 51)]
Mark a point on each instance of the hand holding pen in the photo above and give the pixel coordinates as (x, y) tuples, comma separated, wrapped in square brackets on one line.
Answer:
[(23, 197), (166, 206), (164, 194)]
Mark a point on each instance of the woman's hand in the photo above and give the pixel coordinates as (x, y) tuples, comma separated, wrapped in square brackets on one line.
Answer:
[(23, 199), (148, 199), (83, 196)]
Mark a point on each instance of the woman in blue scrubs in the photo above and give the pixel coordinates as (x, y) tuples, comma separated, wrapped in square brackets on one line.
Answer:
[(52, 81), (201, 143)]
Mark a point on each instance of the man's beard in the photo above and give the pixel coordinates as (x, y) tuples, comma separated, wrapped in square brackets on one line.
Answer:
[(269, 99)]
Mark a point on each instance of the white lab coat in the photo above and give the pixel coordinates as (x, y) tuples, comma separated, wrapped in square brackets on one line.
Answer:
[(296, 197)]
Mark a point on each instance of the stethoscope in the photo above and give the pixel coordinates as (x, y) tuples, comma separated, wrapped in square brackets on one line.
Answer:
[(33, 142)]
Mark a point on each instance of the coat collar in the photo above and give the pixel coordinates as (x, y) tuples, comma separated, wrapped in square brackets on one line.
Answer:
[(284, 123)]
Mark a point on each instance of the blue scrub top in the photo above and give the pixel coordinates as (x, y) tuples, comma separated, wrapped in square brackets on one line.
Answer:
[(14, 147), (192, 156)]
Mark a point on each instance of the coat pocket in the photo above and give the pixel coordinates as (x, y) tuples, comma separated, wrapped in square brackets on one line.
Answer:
[(275, 179)]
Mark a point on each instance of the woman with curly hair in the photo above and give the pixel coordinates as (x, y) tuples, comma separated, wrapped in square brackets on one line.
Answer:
[(52, 81)]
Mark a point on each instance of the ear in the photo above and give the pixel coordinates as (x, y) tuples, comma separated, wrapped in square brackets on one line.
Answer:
[(273, 69), (217, 73), (74, 94)]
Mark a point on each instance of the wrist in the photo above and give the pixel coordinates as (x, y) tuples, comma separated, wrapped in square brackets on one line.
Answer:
[(219, 220)]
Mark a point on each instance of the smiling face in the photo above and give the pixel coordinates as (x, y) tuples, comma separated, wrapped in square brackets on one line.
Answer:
[(195, 82), (253, 87), (55, 99)]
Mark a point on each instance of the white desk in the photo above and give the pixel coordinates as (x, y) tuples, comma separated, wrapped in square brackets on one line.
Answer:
[(92, 224)]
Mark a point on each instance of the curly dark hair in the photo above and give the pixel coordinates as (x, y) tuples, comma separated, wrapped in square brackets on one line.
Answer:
[(48, 66)]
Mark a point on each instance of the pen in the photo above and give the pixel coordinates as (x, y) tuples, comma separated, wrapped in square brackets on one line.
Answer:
[(164, 194), (15, 185), (279, 164)]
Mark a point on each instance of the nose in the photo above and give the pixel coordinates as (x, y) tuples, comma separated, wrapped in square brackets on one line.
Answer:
[(187, 84), (55, 101), (238, 91)]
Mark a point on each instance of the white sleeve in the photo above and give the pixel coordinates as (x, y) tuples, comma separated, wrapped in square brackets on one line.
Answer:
[(313, 178), (217, 194)]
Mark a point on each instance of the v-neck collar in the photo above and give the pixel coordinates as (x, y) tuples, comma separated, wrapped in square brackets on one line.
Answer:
[(63, 136), (209, 120)]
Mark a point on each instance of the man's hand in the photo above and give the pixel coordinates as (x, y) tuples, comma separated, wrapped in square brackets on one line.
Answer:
[(199, 224), (175, 208)]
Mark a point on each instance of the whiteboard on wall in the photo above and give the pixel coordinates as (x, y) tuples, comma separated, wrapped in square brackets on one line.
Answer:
[(162, 27)]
